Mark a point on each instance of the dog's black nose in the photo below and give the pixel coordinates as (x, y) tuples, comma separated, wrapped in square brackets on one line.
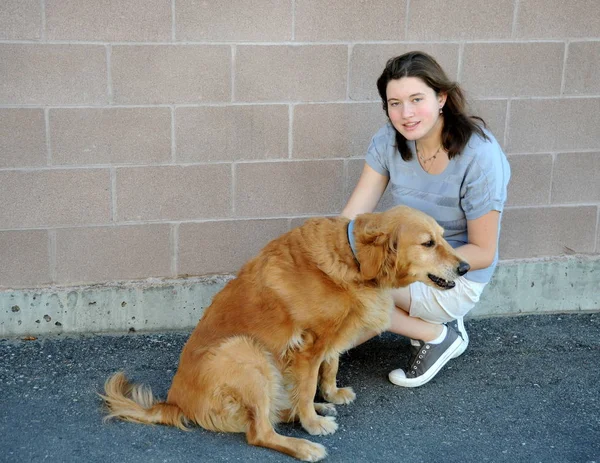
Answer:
[(463, 268)]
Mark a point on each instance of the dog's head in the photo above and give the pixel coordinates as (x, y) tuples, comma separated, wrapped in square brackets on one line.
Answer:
[(403, 245)]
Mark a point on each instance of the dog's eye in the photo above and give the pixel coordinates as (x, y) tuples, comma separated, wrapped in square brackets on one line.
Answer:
[(429, 244)]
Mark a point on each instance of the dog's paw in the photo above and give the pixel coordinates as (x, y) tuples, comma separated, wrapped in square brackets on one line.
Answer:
[(341, 396), (321, 426), (310, 451), (325, 409)]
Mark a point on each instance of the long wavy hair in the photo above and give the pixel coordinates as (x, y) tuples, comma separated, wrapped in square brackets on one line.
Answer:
[(458, 124)]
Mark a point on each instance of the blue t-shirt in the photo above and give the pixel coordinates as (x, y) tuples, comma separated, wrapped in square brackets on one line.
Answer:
[(473, 184)]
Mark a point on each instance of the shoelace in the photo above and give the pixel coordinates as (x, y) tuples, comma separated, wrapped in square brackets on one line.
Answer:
[(415, 356)]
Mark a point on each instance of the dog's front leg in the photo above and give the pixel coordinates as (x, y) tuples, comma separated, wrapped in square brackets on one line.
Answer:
[(327, 384), (306, 372)]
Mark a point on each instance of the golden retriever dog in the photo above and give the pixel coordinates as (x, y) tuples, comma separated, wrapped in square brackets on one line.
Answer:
[(276, 331)]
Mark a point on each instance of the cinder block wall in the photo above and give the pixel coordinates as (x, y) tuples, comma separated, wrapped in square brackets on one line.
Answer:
[(158, 138)]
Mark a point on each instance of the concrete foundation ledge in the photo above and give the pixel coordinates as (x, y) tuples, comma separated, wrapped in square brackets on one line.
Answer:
[(557, 285)]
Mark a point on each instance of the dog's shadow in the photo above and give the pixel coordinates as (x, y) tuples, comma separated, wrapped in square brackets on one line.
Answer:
[(373, 359)]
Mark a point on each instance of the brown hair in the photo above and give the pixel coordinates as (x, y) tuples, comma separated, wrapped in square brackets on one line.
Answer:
[(458, 124)]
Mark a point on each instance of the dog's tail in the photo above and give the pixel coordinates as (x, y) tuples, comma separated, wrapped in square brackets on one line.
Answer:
[(135, 402)]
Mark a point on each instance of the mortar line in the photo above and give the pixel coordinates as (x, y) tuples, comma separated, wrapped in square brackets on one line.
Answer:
[(293, 38), (407, 18), (173, 136), (232, 72), (346, 179), (597, 244), (348, 62), (507, 124), (515, 17), (174, 241), (552, 177), (109, 87), (232, 190), (567, 97), (245, 161), (291, 108), (113, 194), (131, 223), (173, 25), (52, 254), (461, 52), (43, 35), (47, 135), (287, 43), (564, 69)]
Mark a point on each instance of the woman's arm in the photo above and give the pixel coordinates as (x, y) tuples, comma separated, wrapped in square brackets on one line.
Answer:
[(480, 251), (366, 194)]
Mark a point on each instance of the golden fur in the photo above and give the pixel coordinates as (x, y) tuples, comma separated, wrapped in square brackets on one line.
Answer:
[(277, 329)]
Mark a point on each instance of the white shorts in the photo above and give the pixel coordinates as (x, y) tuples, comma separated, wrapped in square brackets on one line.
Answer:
[(441, 306)]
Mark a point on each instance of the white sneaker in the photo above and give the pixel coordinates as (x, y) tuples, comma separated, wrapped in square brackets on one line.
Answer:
[(426, 360)]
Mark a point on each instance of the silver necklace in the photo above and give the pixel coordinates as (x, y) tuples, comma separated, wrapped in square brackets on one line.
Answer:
[(425, 160)]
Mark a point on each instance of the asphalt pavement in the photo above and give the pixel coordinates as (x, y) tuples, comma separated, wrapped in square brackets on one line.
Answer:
[(526, 390)]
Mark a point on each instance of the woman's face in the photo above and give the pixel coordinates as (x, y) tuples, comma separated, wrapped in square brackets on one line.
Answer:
[(414, 108)]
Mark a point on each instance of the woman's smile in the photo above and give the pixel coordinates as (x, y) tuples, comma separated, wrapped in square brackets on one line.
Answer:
[(410, 126), (414, 108)]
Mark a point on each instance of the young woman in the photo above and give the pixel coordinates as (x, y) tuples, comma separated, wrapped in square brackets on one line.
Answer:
[(444, 162)]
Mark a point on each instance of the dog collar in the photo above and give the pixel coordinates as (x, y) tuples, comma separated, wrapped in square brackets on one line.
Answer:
[(351, 240)]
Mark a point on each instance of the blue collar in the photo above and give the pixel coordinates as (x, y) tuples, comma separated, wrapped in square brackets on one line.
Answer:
[(351, 240)]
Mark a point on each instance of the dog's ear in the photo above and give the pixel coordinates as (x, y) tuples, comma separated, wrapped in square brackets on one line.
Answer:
[(372, 243)]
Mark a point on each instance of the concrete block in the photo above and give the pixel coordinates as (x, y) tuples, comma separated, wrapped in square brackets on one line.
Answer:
[(49, 198), (576, 178), (202, 249), (22, 137), (101, 254), (110, 136), (512, 69), (547, 231), (335, 130), (21, 20), (261, 20), (269, 189), (553, 124), (531, 177), (232, 133), (49, 74), (460, 19), (271, 73), (335, 20), (144, 74), (581, 74), (25, 258), (548, 19), (109, 20), (174, 192)]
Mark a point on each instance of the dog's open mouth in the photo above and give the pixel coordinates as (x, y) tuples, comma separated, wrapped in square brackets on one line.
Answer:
[(444, 284)]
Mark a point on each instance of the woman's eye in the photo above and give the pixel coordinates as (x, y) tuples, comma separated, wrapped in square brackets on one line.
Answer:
[(429, 244), (417, 100)]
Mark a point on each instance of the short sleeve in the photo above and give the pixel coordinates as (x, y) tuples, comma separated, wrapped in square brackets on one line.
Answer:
[(486, 180), (376, 156)]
